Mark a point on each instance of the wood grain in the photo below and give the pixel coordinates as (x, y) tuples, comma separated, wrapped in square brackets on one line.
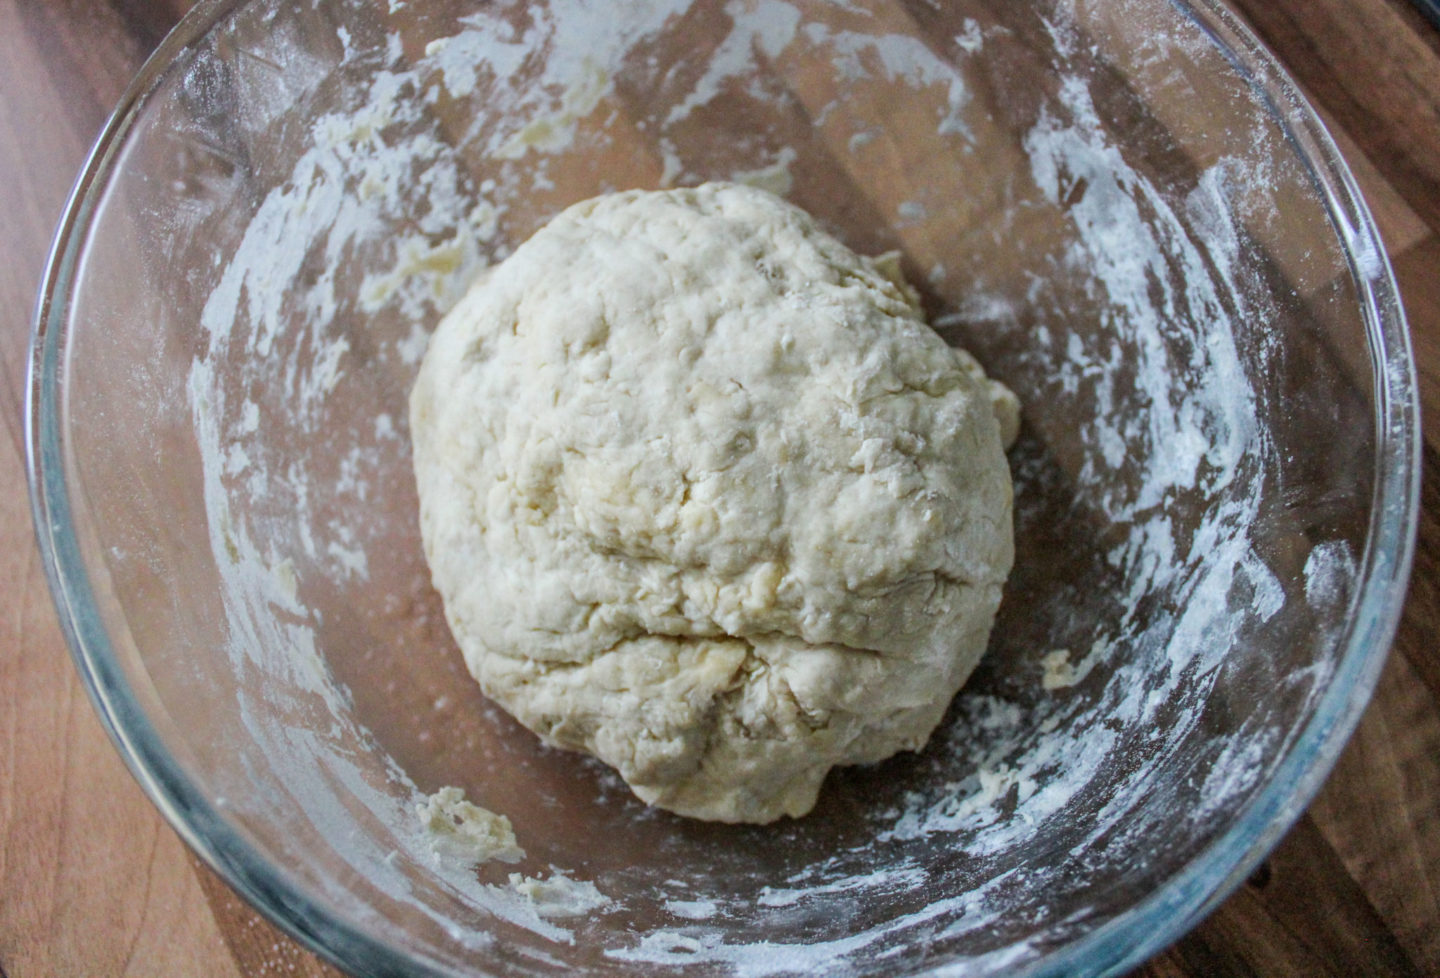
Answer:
[(1269, 926), (1376, 68), (92, 882)]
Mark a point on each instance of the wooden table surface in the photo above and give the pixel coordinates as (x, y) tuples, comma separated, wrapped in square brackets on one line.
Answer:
[(94, 883)]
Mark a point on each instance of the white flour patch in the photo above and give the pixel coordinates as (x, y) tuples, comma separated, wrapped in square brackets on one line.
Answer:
[(692, 909), (767, 27)]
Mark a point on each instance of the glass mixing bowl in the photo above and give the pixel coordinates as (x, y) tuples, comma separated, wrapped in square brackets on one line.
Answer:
[(1123, 208)]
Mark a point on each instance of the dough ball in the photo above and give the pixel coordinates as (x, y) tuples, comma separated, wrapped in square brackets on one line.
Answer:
[(705, 497)]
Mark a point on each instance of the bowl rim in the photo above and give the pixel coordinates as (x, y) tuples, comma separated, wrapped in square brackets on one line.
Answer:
[(1114, 947)]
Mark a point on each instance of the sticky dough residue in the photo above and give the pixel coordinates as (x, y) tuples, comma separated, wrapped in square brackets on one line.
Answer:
[(1001, 768), (462, 831)]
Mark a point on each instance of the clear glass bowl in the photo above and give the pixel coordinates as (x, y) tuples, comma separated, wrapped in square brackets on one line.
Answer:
[(1123, 208)]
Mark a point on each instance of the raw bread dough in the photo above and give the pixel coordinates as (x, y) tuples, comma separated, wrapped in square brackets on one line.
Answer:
[(706, 497), (559, 895), (465, 832)]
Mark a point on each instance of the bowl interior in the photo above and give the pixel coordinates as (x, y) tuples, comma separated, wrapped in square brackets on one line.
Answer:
[(1098, 199)]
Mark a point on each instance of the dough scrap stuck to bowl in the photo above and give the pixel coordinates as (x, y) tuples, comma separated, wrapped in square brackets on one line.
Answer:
[(466, 832), (705, 497)]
